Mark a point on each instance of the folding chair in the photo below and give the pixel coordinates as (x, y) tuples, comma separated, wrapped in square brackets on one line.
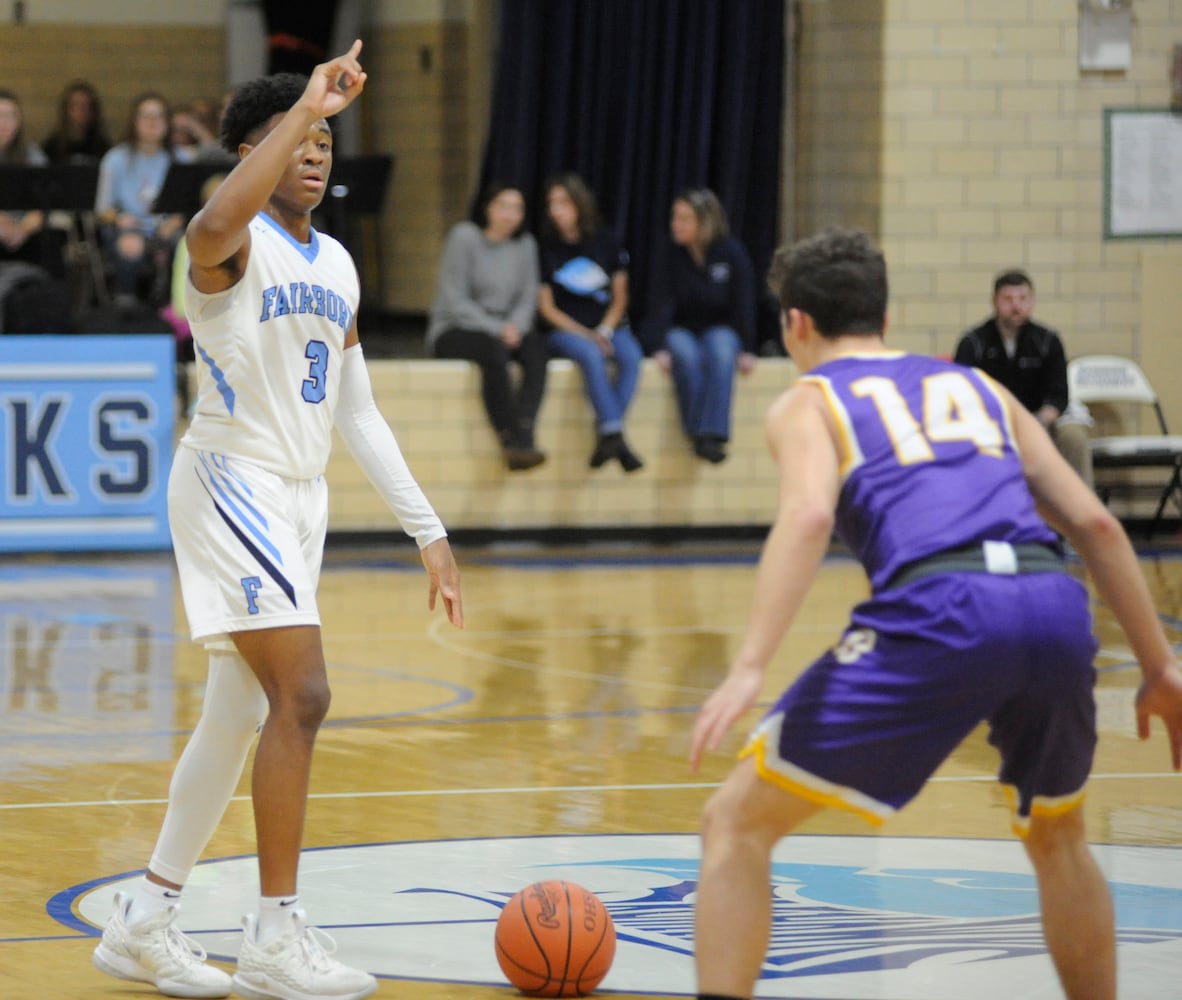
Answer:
[(1106, 378)]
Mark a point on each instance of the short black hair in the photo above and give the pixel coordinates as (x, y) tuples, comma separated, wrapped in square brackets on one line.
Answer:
[(256, 103), (1014, 277), (490, 193), (838, 277)]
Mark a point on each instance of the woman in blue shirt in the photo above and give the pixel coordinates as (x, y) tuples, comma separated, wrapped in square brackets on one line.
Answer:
[(131, 174), (583, 300)]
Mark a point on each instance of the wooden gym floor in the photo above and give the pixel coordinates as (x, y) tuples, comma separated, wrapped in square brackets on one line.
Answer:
[(457, 766)]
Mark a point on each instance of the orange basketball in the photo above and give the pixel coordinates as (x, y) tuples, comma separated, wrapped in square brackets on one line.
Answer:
[(555, 939)]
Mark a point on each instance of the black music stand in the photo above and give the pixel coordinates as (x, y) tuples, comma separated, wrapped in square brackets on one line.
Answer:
[(67, 187), (180, 194), (356, 186)]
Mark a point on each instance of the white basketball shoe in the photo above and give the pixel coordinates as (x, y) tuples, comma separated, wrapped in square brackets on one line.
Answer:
[(155, 951), (297, 966)]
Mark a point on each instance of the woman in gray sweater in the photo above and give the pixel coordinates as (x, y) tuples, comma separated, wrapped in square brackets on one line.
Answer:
[(484, 312)]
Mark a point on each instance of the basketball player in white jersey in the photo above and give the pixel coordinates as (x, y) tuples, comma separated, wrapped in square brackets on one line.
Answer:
[(273, 308)]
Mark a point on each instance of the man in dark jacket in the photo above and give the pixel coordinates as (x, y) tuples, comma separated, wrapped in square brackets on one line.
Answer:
[(1028, 359)]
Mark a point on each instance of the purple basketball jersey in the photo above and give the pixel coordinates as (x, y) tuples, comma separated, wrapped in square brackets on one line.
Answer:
[(928, 460), (928, 463)]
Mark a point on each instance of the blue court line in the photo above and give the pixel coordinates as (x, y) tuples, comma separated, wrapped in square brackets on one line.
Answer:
[(646, 558), (540, 717), (583, 562), (406, 719)]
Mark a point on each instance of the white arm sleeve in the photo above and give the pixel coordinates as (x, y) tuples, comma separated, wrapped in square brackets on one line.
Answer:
[(373, 445)]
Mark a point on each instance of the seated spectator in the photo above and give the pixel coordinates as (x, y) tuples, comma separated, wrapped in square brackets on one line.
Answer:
[(703, 319), (80, 135), (138, 241), (215, 152), (583, 301), (484, 310), (195, 132), (24, 235), (1028, 359)]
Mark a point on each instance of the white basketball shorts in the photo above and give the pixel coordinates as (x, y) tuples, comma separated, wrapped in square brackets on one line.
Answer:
[(248, 545)]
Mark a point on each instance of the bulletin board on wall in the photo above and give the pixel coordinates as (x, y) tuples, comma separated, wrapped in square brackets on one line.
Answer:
[(1142, 173)]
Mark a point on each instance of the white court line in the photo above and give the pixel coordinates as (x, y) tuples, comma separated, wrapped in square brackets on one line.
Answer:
[(532, 790)]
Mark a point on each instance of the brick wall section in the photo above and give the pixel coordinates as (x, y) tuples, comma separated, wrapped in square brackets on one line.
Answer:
[(435, 410), (990, 143), (182, 62), (421, 116), (838, 110)]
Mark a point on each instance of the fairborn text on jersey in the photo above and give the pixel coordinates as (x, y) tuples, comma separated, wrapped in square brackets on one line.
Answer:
[(299, 297)]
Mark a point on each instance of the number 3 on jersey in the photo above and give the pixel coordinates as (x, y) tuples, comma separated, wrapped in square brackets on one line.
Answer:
[(953, 410), (315, 384)]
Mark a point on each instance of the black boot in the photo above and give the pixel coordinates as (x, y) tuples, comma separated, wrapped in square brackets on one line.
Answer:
[(520, 459), (711, 449), (520, 453), (630, 461), (606, 448)]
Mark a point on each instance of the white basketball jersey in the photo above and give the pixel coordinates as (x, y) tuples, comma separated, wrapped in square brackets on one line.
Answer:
[(269, 352)]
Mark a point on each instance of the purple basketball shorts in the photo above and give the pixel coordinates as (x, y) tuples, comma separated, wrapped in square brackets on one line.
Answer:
[(918, 669)]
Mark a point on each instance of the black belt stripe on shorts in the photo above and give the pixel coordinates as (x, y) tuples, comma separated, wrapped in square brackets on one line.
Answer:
[(1031, 558)]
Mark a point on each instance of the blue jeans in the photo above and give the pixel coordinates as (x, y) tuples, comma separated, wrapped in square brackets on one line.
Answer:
[(703, 377), (609, 398)]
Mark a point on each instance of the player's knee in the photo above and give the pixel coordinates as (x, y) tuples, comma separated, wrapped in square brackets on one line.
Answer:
[(1049, 836), (312, 703), (302, 707), (712, 817), (239, 727), (726, 816)]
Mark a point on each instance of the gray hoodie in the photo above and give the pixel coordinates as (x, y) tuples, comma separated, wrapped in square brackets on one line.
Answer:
[(484, 285)]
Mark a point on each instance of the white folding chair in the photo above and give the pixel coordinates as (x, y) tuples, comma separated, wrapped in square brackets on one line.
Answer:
[(1106, 378)]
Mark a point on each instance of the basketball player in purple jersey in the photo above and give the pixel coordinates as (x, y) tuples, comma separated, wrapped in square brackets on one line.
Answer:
[(938, 480)]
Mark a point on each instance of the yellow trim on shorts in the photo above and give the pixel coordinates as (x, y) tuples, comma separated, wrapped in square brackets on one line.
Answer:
[(757, 748), (1046, 808)]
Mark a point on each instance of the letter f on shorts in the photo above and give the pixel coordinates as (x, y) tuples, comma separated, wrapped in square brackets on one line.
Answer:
[(251, 586)]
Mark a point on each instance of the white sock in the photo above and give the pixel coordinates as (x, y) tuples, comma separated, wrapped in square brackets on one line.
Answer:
[(275, 914), (149, 899)]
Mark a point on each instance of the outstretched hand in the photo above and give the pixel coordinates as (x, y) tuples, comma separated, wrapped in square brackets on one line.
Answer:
[(445, 580), (1162, 696), (730, 699), (333, 85)]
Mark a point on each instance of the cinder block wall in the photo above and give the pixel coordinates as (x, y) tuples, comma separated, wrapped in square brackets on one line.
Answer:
[(435, 410), (416, 109), (181, 61), (965, 136)]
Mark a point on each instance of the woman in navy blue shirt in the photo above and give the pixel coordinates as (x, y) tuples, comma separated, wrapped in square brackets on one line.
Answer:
[(704, 318), (583, 301)]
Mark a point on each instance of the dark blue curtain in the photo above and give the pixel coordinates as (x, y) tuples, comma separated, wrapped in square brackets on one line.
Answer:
[(642, 98)]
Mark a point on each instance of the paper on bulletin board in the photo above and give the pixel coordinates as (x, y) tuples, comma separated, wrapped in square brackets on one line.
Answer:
[(1142, 173)]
